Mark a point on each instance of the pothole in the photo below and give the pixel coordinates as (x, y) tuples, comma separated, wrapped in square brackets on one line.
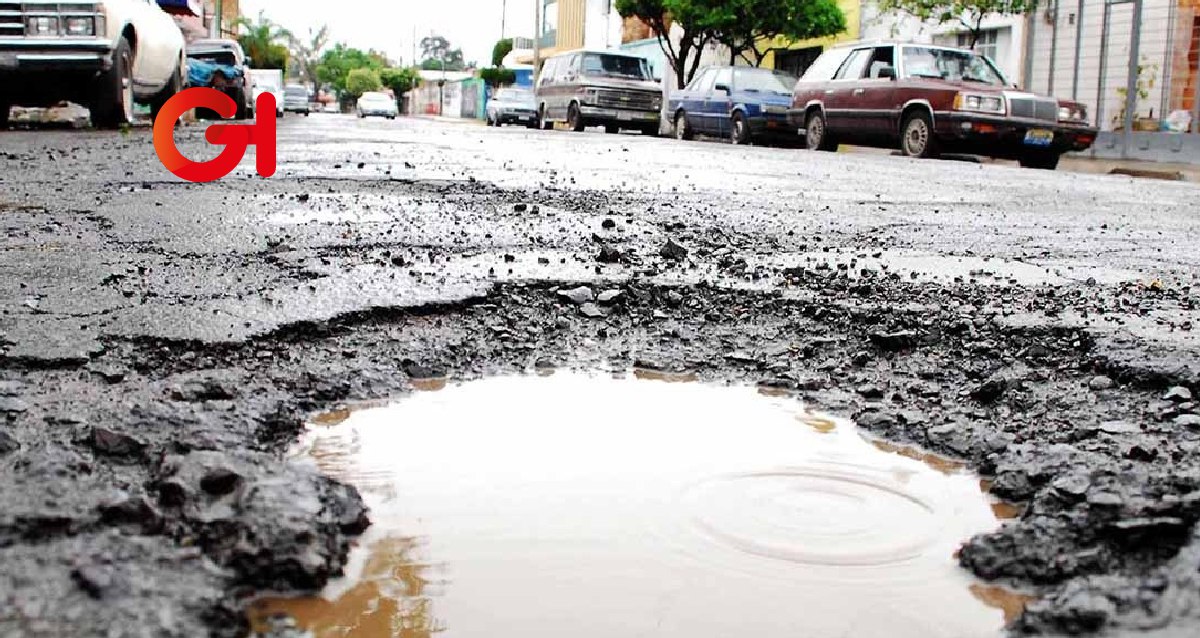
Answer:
[(581, 505)]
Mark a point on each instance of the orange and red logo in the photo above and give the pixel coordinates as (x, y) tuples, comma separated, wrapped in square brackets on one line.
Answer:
[(235, 137)]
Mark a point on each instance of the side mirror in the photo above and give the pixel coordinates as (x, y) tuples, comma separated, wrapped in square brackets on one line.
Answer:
[(888, 72), (722, 88)]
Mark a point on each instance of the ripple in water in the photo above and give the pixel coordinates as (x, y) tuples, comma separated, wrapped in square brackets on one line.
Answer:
[(588, 506)]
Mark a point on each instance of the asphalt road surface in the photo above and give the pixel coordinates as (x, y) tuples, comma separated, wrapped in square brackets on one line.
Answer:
[(162, 343)]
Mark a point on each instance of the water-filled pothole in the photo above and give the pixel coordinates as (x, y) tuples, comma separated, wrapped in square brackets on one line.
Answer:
[(575, 505)]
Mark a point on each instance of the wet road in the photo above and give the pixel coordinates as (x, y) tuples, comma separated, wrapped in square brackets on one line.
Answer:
[(162, 343)]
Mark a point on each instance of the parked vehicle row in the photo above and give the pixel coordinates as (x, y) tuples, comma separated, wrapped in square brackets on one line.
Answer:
[(920, 98)]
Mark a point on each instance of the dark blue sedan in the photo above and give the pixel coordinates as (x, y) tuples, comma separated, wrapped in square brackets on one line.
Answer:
[(742, 104)]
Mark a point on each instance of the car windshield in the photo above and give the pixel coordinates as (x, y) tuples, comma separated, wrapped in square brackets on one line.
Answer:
[(215, 57), (296, 91), (375, 97), (950, 64), (513, 95), (616, 66), (764, 81)]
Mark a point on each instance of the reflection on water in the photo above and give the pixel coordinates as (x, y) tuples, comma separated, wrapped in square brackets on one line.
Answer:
[(596, 507), (661, 375), (431, 384), (1010, 602), (942, 464)]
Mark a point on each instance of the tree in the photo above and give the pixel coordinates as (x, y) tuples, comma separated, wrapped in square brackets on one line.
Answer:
[(497, 76), (307, 53), (262, 42), (743, 25), (337, 63), (501, 50), (399, 80), (968, 13), (436, 54), (361, 81), (693, 17)]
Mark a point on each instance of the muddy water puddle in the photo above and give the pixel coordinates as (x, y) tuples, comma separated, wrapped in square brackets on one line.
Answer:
[(593, 506)]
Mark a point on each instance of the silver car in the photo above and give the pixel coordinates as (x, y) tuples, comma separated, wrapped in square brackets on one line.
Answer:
[(380, 104), (512, 106), (295, 99)]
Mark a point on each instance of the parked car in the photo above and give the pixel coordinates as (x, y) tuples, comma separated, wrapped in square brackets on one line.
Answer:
[(268, 81), (598, 88), (380, 104), (928, 99), (740, 103), (512, 106), (295, 99), (105, 55), (221, 64)]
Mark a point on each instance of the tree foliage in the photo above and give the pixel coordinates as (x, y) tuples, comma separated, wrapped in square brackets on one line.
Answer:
[(436, 54), (502, 49), (262, 40), (968, 13), (362, 80), (689, 15), (745, 25), (306, 53), (497, 76), (400, 80), (338, 62)]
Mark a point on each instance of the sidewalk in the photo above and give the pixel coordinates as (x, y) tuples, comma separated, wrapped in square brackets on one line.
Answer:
[(446, 119)]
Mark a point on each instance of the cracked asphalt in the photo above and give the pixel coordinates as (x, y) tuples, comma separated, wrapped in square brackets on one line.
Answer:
[(162, 343)]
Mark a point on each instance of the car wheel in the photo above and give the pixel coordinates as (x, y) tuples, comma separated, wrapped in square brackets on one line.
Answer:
[(682, 130), (5, 107), (816, 133), (916, 136), (650, 130), (243, 112), (542, 122), (574, 118), (612, 129), (739, 129), (175, 85), (1044, 160), (113, 106)]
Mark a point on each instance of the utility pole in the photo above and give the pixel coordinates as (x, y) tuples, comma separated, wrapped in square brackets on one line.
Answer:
[(217, 20), (503, 17), (537, 39)]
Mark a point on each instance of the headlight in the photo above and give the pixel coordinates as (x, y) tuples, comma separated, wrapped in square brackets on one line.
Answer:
[(79, 25), (979, 103), (1076, 114), (656, 103), (590, 96), (41, 26)]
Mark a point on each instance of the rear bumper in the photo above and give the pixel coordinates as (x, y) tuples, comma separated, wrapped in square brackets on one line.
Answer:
[(506, 117), (1006, 137)]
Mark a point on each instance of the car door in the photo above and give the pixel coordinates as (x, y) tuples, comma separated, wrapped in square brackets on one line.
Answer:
[(875, 93), (546, 86), (154, 58), (719, 102), (692, 100), (568, 84), (841, 109)]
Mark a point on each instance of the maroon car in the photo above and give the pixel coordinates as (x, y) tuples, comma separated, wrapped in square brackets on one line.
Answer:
[(929, 99)]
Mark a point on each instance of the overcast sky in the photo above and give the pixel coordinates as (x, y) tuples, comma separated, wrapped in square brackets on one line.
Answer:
[(387, 25)]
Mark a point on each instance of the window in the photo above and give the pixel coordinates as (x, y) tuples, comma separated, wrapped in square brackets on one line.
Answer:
[(570, 67), (882, 58), (987, 45), (855, 65), (617, 66), (724, 77), (764, 81), (950, 64), (826, 66), (703, 82)]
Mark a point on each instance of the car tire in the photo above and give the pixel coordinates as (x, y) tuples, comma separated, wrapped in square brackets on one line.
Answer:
[(683, 131), (113, 104), (175, 85), (5, 108), (612, 129), (739, 129), (650, 131), (917, 137), (1044, 160), (816, 133), (542, 122), (243, 112), (532, 125), (574, 118)]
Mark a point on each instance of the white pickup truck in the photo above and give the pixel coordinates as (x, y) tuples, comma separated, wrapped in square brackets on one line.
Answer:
[(104, 54)]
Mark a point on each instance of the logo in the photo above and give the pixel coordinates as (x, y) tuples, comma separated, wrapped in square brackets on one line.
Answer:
[(236, 138)]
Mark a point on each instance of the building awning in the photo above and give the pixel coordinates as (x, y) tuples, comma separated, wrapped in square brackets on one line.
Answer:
[(182, 7)]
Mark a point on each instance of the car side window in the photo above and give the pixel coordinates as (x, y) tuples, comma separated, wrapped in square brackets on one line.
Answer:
[(724, 77), (694, 85), (881, 58), (704, 83), (572, 67), (854, 66)]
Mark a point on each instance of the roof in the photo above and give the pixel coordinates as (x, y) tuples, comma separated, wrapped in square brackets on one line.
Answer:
[(214, 44), (623, 54), (449, 76), (882, 43)]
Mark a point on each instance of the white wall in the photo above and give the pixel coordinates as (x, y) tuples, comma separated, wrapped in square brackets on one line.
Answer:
[(601, 25)]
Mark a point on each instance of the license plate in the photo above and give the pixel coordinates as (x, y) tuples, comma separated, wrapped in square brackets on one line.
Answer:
[(624, 117), (1039, 137)]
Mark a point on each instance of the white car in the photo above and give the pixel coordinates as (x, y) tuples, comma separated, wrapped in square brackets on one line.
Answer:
[(380, 104), (269, 81), (104, 54)]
